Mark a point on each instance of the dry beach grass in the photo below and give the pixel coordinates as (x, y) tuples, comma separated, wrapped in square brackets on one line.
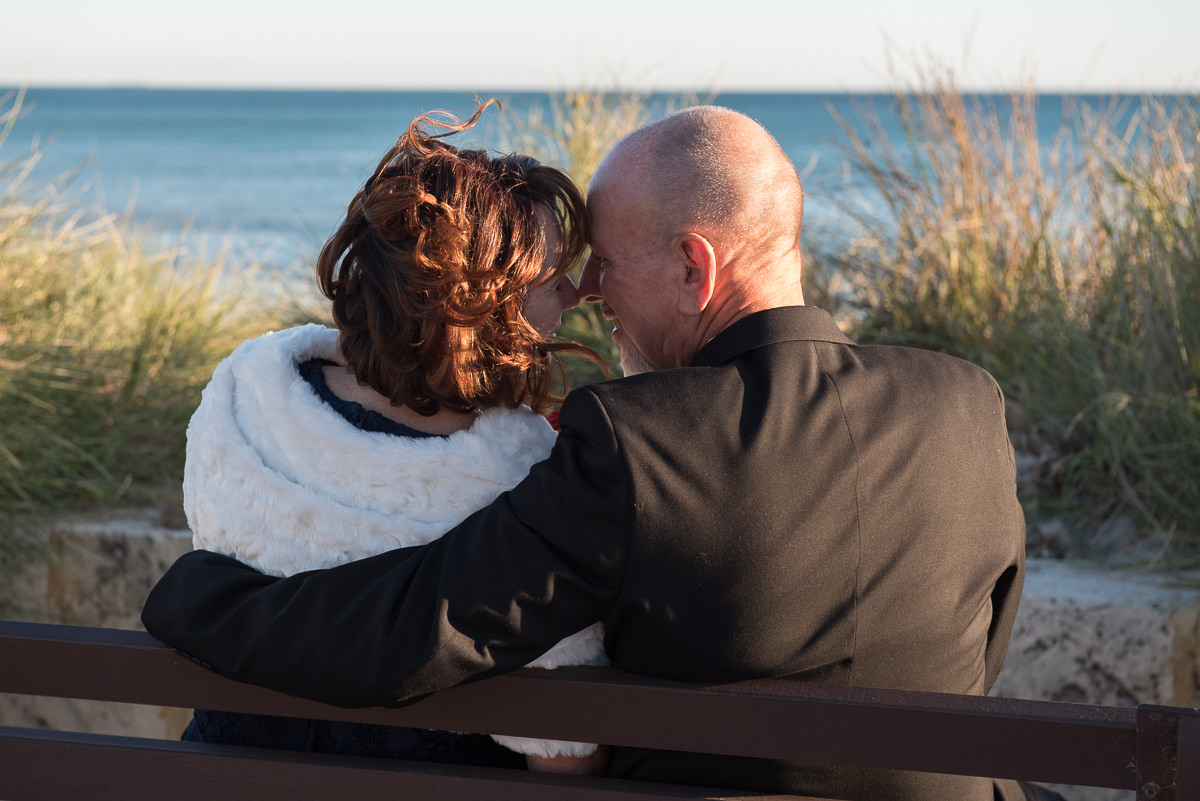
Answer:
[(1071, 272)]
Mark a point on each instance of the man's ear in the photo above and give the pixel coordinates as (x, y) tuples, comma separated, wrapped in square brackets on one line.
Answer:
[(700, 276)]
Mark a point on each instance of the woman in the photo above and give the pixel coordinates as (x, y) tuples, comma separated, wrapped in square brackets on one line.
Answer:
[(312, 447)]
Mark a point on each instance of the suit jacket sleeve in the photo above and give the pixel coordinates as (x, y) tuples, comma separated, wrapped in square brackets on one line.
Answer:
[(540, 563)]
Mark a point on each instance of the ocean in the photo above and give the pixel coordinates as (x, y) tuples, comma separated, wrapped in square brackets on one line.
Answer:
[(264, 176)]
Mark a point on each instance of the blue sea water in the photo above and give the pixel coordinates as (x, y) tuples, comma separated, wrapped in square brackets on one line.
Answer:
[(266, 175)]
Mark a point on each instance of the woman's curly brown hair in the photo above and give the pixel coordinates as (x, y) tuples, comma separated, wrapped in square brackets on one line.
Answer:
[(429, 271)]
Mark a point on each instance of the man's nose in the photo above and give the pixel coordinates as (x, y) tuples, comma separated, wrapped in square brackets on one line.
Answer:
[(589, 282), (568, 295)]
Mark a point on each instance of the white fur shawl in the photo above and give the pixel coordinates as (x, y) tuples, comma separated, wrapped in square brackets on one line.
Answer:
[(279, 480)]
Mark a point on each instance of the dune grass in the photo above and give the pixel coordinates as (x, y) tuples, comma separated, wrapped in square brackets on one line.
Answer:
[(1071, 272), (104, 348)]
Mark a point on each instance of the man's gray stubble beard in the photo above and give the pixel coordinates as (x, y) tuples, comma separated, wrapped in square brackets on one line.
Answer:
[(633, 362)]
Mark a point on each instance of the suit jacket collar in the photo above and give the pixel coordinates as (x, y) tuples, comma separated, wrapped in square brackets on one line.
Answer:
[(770, 327)]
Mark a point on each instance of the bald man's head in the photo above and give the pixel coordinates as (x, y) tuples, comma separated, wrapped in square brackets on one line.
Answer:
[(694, 224), (713, 170)]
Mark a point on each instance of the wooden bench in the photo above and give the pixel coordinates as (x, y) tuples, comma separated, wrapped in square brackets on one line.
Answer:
[(1154, 750)]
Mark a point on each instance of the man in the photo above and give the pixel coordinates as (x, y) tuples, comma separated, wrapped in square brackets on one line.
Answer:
[(769, 500)]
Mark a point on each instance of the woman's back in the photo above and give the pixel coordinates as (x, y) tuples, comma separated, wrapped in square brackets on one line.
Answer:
[(279, 479), (312, 447)]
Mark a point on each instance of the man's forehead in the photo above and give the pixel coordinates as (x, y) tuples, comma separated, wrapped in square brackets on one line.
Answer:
[(602, 202), (618, 190), (608, 215), (627, 158)]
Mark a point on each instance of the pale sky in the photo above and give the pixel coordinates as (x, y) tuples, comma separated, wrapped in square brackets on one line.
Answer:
[(727, 45)]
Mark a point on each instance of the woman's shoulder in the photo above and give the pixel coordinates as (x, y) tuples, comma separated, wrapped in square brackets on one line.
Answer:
[(516, 429), (298, 343), (277, 353)]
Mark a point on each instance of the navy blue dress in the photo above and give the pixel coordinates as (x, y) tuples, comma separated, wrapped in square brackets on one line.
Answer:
[(334, 737)]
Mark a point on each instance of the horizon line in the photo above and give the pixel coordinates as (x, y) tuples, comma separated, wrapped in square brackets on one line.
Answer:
[(714, 91)]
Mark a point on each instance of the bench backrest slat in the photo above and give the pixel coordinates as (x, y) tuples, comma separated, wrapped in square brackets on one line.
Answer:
[(37, 764), (1004, 738)]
